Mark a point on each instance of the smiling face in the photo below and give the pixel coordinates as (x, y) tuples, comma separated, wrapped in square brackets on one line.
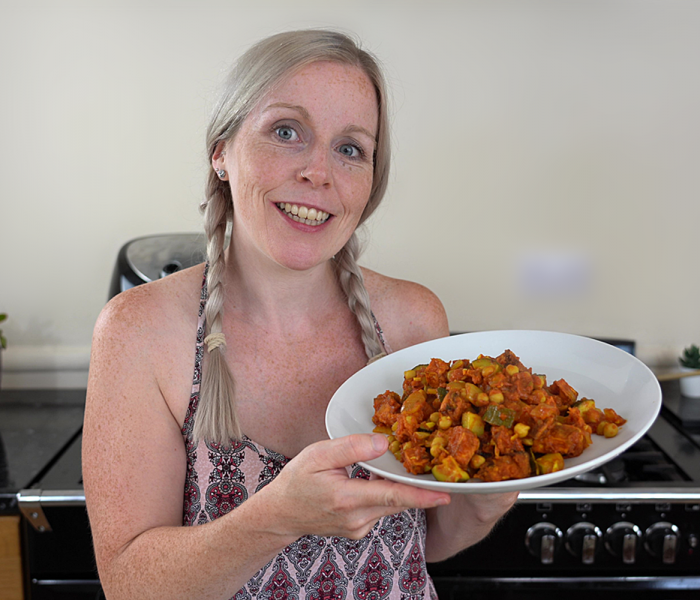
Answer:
[(301, 166)]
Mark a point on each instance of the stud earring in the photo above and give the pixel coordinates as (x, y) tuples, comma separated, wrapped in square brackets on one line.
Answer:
[(221, 173)]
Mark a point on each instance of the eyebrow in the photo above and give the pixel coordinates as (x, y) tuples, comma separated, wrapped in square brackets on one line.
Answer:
[(306, 115)]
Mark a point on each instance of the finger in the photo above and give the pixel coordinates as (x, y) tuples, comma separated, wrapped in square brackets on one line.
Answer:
[(389, 497), (347, 450)]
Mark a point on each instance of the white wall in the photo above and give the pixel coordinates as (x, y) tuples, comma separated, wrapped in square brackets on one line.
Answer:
[(523, 130)]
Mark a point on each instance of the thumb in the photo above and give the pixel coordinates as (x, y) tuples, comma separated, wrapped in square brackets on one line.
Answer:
[(348, 450)]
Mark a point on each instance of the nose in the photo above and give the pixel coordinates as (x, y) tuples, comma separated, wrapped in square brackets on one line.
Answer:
[(317, 169)]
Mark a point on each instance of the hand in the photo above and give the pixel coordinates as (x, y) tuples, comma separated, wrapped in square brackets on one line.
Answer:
[(314, 495), (467, 519), (487, 508)]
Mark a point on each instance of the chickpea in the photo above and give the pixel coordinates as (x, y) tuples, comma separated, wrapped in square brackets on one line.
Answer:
[(445, 422), (496, 397), (610, 430)]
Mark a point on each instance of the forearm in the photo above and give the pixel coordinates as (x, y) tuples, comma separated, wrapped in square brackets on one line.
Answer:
[(210, 561), (463, 523)]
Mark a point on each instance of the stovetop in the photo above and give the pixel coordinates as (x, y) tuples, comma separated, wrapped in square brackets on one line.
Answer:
[(36, 427)]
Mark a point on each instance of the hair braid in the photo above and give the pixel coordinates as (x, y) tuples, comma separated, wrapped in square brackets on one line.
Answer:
[(353, 284), (216, 414), (261, 68)]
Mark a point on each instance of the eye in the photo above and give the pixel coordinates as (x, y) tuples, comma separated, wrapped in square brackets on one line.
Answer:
[(351, 151), (286, 133)]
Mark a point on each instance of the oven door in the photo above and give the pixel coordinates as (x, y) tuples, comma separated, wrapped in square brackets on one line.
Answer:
[(59, 559), (570, 588), (587, 552), (58, 554)]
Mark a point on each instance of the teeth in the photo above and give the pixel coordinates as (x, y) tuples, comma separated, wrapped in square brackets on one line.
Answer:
[(302, 214)]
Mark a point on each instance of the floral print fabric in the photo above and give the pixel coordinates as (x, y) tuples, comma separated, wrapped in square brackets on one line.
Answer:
[(388, 563)]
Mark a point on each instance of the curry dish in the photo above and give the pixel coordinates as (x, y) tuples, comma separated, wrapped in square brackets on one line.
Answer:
[(490, 419)]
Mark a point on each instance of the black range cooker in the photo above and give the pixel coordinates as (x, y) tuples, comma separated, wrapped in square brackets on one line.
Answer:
[(37, 429), (628, 530)]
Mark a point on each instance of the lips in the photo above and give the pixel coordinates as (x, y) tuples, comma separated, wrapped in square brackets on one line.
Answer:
[(303, 214)]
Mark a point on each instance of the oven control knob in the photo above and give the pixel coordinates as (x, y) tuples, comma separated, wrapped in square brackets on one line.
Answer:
[(623, 539), (661, 540), (583, 540), (543, 540)]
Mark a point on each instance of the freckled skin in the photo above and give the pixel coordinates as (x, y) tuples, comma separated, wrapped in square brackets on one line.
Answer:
[(328, 107), (291, 341)]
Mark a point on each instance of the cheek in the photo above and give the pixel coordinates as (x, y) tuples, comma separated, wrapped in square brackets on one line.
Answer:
[(251, 178), (355, 180), (361, 184)]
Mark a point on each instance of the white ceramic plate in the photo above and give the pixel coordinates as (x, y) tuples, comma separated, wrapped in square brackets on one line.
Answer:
[(610, 376)]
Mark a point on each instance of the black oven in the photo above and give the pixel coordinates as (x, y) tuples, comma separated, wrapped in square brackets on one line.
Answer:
[(628, 530), (39, 435)]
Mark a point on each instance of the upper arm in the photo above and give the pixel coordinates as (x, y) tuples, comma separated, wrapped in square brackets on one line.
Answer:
[(134, 460), (408, 312)]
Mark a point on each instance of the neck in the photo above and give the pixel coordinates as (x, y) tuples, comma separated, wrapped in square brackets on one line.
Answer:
[(276, 298)]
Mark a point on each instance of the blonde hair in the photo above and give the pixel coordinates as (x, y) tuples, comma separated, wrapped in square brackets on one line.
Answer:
[(263, 66)]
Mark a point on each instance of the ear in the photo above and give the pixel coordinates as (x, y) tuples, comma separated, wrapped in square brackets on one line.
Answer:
[(217, 159)]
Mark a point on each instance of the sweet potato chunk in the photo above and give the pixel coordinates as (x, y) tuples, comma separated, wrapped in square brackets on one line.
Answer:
[(504, 441), (502, 468), (416, 460), (567, 440), (453, 406), (562, 390), (386, 409), (436, 372), (462, 444)]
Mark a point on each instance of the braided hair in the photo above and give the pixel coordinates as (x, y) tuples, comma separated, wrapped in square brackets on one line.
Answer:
[(256, 72)]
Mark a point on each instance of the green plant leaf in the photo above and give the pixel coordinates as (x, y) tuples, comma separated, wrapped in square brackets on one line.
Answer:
[(690, 358)]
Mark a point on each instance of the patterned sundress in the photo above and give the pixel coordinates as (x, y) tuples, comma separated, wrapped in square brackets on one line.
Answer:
[(388, 563)]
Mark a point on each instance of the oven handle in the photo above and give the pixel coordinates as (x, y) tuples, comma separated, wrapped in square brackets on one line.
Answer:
[(619, 495), (32, 502)]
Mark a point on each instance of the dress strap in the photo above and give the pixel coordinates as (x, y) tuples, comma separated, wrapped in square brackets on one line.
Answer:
[(380, 335)]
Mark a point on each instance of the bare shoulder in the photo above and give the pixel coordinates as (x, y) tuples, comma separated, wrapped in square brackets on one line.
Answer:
[(408, 312), (141, 314), (150, 330), (140, 380)]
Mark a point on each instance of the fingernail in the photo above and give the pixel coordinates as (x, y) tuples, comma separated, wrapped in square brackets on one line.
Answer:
[(379, 443), (442, 501)]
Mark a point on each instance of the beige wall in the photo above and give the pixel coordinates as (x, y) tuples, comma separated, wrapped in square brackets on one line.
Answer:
[(525, 133)]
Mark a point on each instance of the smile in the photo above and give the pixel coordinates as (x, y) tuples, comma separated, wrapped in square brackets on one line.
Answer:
[(302, 214)]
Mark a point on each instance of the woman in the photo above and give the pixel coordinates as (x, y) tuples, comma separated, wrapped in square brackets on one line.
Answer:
[(299, 153)]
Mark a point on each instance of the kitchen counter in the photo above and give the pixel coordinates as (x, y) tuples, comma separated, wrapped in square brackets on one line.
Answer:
[(36, 426)]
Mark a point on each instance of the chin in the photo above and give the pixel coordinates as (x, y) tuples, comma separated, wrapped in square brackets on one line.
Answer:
[(302, 264), (297, 259)]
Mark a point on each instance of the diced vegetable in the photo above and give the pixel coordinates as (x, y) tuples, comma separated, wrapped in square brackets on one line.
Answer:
[(550, 463), (474, 423), (499, 415), (449, 470), (490, 419)]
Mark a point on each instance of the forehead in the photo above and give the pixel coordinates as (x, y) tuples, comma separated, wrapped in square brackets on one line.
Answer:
[(327, 90)]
